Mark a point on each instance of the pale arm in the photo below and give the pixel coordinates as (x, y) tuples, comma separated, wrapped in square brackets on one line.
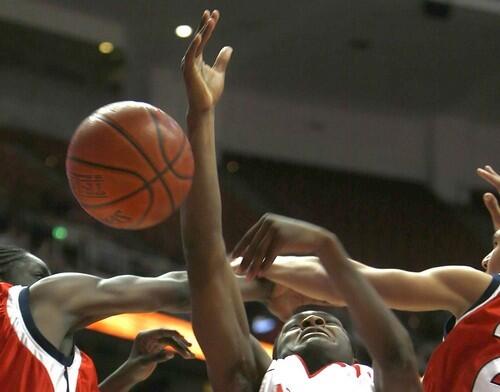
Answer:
[(451, 288)]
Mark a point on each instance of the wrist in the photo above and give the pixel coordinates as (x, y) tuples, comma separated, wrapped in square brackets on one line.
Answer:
[(129, 369), (326, 242), (331, 252), (194, 115)]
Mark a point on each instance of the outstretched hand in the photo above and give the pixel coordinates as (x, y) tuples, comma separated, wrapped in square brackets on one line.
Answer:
[(149, 350), (273, 235), (490, 201), (204, 83)]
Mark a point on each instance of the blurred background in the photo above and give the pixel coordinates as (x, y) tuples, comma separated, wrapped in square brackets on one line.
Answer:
[(368, 118)]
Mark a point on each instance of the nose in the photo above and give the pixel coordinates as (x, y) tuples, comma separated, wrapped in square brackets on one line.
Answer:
[(312, 320)]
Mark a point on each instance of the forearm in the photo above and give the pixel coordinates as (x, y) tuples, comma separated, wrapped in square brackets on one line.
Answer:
[(368, 312), (201, 214), (121, 380), (258, 290), (306, 276)]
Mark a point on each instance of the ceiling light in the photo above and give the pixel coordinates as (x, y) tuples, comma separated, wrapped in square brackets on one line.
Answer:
[(59, 233), (106, 47), (263, 324), (183, 31)]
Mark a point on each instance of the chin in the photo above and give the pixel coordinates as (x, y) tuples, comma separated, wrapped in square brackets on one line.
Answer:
[(321, 346)]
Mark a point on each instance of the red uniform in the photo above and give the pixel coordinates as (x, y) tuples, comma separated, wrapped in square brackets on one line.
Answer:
[(28, 361), (468, 359)]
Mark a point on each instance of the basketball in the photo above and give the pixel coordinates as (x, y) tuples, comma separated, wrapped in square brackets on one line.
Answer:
[(129, 165)]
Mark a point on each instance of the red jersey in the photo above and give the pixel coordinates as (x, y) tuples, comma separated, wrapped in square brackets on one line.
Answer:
[(468, 359), (28, 361)]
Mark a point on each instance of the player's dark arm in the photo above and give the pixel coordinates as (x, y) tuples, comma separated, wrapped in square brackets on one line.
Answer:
[(77, 300), (258, 290), (387, 341), (63, 303), (218, 314)]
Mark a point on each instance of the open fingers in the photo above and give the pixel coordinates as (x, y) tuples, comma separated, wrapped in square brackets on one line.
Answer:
[(260, 253), (200, 38), (490, 176), (271, 254), (205, 34), (253, 246), (169, 333), (178, 346), (189, 56), (203, 21), (490, 169), (491, 203), (207, 30), (242, 244)]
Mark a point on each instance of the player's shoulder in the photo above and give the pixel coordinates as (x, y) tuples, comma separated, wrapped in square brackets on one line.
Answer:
[(62, 282)]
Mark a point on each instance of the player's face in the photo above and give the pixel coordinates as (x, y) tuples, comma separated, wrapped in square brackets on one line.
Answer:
[(314, 333), (27, 271), (491, 263)]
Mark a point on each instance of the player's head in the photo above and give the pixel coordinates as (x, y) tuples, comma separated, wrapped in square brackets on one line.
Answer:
[(314, 333), (19, 267), (491, 263)]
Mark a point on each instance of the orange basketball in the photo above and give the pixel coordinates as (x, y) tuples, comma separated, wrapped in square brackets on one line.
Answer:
[(129, 165)]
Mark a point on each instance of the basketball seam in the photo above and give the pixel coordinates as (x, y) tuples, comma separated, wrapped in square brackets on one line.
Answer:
[(168, 162), (146, 185), (118, 128)]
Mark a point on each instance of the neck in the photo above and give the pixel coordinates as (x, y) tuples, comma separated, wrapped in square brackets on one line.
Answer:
[(315, 359), (315, 363)]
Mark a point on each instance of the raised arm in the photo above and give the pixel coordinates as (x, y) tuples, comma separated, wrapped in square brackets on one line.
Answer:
[(218, 314), (386, 339)]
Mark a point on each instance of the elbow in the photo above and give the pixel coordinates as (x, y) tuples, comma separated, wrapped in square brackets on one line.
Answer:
[(177, 298)]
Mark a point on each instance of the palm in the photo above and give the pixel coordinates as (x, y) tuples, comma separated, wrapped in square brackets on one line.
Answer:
[(209, 86)]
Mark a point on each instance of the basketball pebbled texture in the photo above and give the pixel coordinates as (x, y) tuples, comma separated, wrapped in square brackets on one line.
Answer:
[(129, 165)]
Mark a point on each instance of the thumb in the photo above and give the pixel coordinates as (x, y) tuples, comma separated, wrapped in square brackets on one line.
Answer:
[(223, 58), (491, 203)]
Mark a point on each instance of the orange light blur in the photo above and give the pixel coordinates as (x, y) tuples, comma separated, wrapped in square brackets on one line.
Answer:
[(127, 326)]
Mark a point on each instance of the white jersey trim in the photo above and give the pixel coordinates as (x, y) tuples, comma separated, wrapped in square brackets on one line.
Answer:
[(54, 368)]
